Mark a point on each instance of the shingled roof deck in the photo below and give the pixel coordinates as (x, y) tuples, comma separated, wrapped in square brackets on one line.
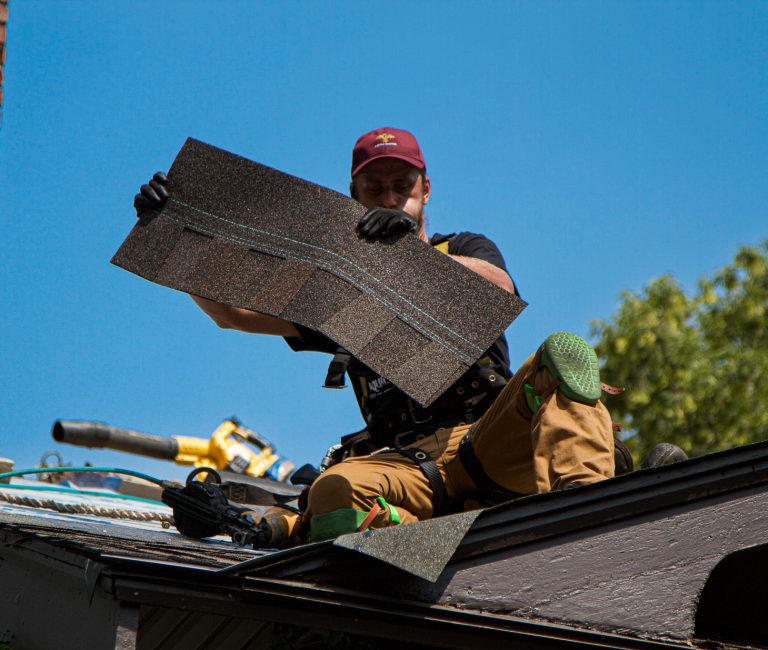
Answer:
[(659, 558)]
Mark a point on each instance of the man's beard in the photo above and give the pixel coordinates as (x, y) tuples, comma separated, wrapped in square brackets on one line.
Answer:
[(421, 219)]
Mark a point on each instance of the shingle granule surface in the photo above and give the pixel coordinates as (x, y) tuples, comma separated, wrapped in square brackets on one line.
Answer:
[(246, 235)]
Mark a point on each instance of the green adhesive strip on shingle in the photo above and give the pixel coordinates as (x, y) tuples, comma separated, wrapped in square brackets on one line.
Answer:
[(250, 236)]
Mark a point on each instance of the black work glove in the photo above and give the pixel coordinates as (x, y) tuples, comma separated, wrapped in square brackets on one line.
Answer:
[(379, 223), (153, 195)]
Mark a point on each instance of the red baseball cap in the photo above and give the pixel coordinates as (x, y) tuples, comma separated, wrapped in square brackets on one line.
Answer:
[(386, 143)]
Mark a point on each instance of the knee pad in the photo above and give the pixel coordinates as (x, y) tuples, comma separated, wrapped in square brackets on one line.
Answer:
[(573, 362), (330, 525), (342, 521)]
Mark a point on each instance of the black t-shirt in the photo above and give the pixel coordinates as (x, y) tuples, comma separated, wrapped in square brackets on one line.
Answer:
[(386, 409)]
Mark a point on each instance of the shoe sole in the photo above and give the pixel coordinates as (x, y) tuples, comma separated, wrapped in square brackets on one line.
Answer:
[(573, 361)]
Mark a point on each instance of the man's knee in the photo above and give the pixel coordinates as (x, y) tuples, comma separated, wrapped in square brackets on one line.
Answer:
[(330, 512), (330, 491), (339, 505)]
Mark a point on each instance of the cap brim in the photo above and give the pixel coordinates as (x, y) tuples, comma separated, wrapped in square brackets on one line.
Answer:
[(418, 164)]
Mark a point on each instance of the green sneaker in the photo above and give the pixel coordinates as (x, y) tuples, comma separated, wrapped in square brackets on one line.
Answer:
[(572, 360)]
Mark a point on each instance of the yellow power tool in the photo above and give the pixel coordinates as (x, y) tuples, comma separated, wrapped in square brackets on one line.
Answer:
[(232, 447)]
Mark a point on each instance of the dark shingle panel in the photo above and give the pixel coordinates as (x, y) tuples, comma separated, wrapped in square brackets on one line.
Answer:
[(147, 246), (409, 321), (345, 324)]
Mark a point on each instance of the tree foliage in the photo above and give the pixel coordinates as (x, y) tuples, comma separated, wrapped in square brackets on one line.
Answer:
[(695, 367)]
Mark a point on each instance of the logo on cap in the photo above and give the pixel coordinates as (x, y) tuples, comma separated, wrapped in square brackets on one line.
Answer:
[(385, 140)]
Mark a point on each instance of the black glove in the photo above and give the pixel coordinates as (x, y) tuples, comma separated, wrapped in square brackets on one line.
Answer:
[(153, 195), (379, 223)]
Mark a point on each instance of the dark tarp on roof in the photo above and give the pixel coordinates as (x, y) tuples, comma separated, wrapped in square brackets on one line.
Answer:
[(246, 235)]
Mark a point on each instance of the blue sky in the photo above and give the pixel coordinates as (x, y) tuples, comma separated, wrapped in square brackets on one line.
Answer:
[(600, 144)]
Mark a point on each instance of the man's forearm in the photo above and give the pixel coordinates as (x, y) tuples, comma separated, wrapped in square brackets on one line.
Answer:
[(245, 320), (490, 272)]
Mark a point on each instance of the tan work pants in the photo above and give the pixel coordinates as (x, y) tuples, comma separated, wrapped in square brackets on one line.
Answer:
[(564, 442)]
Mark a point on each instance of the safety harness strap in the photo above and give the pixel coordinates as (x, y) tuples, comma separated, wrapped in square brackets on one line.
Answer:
[(488, 488), (381, 505), (337, 369), (430, 470)]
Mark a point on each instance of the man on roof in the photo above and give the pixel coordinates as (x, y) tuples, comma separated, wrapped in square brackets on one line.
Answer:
[(492, 436)]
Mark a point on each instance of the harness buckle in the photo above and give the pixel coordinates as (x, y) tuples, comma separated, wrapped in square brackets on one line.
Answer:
[(415, 419), (407, 438)]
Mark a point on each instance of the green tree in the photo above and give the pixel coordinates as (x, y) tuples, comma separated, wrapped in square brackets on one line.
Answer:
[(695, 367)]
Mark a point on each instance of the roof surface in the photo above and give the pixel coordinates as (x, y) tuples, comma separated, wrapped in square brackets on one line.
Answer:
[(109, 526), (627, 558)]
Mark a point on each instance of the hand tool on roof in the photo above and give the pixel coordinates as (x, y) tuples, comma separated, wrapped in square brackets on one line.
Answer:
[(232, 447), (201, 509)]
